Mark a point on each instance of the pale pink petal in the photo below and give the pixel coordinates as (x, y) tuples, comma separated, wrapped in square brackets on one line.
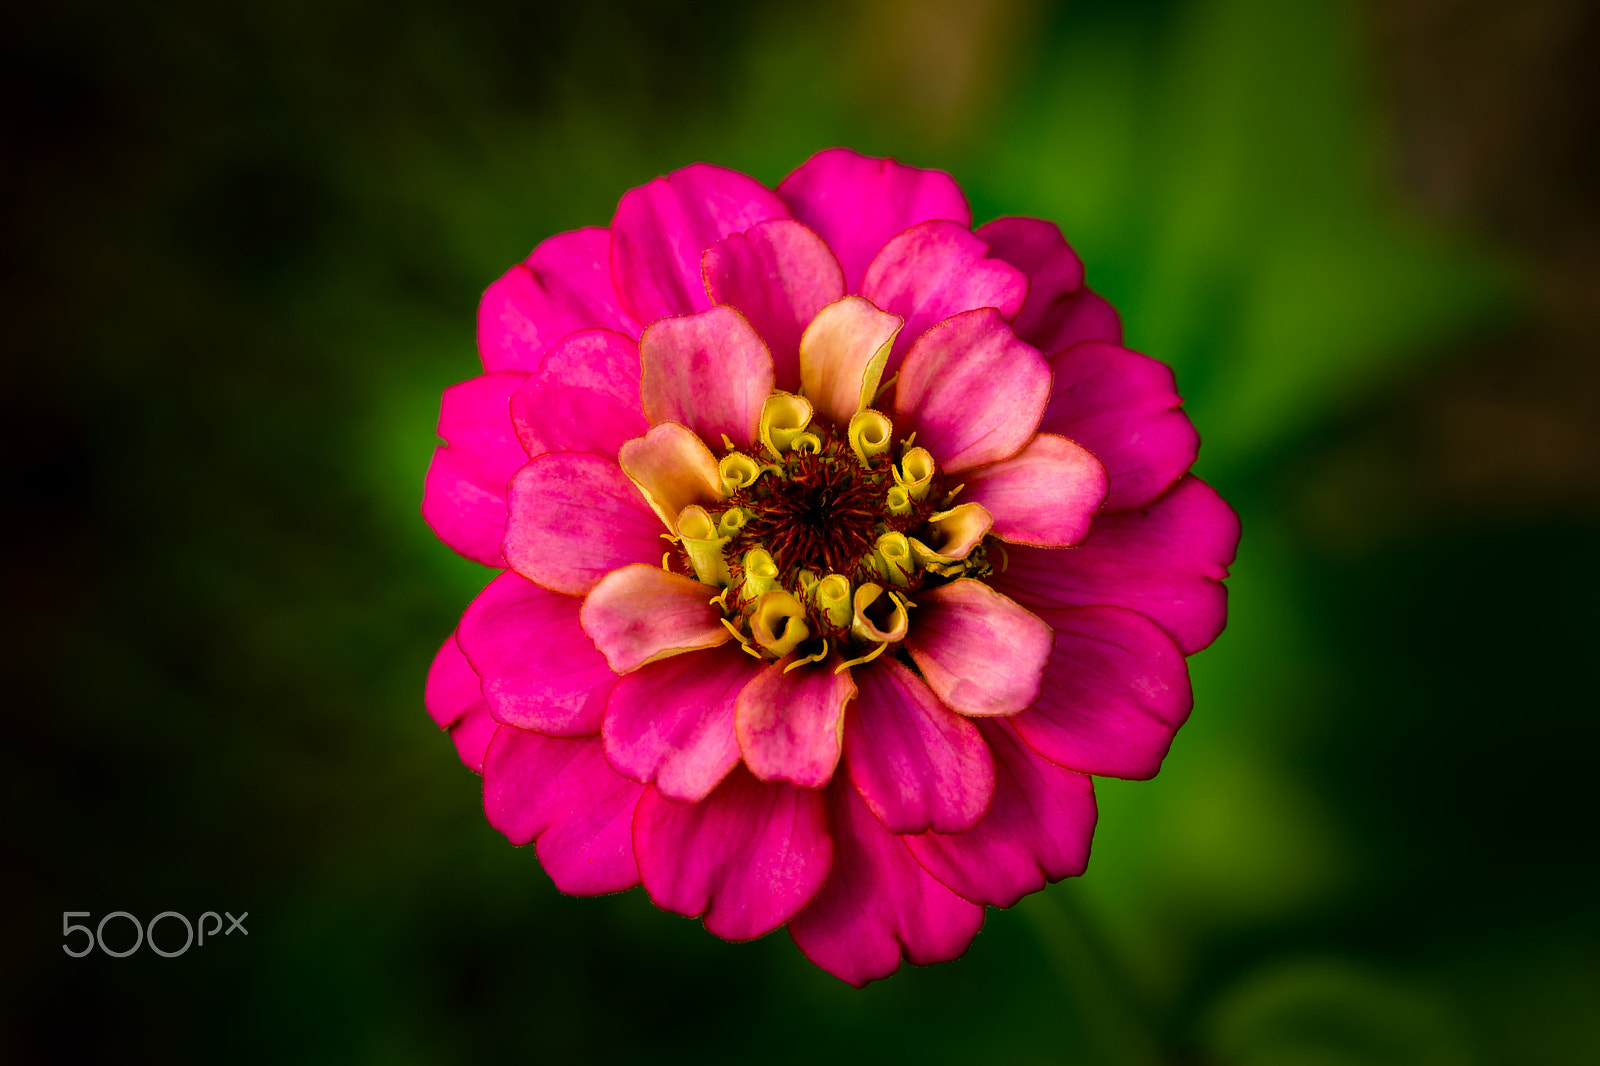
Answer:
[(858, 203), (918, 764), (778, 274), (455, 702), (1115, 692), (563, 797), (540, 670), (1037, 830), (842, 356), (748, 857), (639, 614), (972, 392), (671, 722), (563, 286), (1165, 560), (585, 398), (879, 903), (980, 652), (464, 496), (662, 229), (1044, 495), (935, 270), (789, 723), (708, 371), (576, 517), (672, 468), (1125, 408)]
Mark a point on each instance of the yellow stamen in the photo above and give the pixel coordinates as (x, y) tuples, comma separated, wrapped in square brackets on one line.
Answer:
[(833, 600), (899, 500), (807, 442), (784, 417), (732, 520), (817, 658), (737, 471), (740, 637), (867, 658), (704, 547), (955, 533), (915, 472), (779, 623), (760, 574), (892, 557), (870, 434), (896, 623)]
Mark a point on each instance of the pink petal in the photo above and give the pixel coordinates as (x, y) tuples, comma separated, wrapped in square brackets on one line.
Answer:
[(1165, 560), (464, 496), (1115, 692), (980, 652), (778, 274), (1055, 274), (564, 285), (789, 724), (879, 904), (708, 371), (840, 364), (972, 392), (1037, 830), (639, 614), (585, 398), (455, 702), (662, 229), (671, 722), (575, 518), (1044, 495), (857, 203), (748, 857), (917, 764), (935, 270), (540, 671), (1084, 316), (1124, 407), (561, 795)]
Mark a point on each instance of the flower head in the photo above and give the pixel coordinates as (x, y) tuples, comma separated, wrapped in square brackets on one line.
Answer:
[(843, 542)]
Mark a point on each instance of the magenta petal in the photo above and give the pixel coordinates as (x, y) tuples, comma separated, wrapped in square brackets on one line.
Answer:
[(1124, 407), (562, 796), (789, 723), (1037, 830), (662, 229), (1165, 560), (1059, 311), (980, 652), (709, 372), (972, 392), (455, 702), (464, 496), (563, 286), (575, 518), (540, 670), (1044, 495), (639, 614), (778, 274), (917, 764), (585, 398), (858, 203), (748, 857), (879, 903), (936, 270), (1115, 691), (671, 722)]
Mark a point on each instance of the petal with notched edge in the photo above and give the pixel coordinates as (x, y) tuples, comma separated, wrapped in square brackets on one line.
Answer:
[(789, 723), (672, 469), (980, 652), (585, 398), (455, 702), (707, 371), (464, 496), (1044, 495), (842, 356), (574, 518)]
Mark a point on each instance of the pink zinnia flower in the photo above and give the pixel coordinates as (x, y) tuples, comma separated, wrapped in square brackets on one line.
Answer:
[(842, 543)]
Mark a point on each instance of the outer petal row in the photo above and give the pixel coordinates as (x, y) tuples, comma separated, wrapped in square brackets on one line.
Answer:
[(464, 496)]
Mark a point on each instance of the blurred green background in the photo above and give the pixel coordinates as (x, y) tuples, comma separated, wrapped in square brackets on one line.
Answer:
[(242, 250)]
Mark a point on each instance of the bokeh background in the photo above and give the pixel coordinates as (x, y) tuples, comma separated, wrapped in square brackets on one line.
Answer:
[(242, 248)]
